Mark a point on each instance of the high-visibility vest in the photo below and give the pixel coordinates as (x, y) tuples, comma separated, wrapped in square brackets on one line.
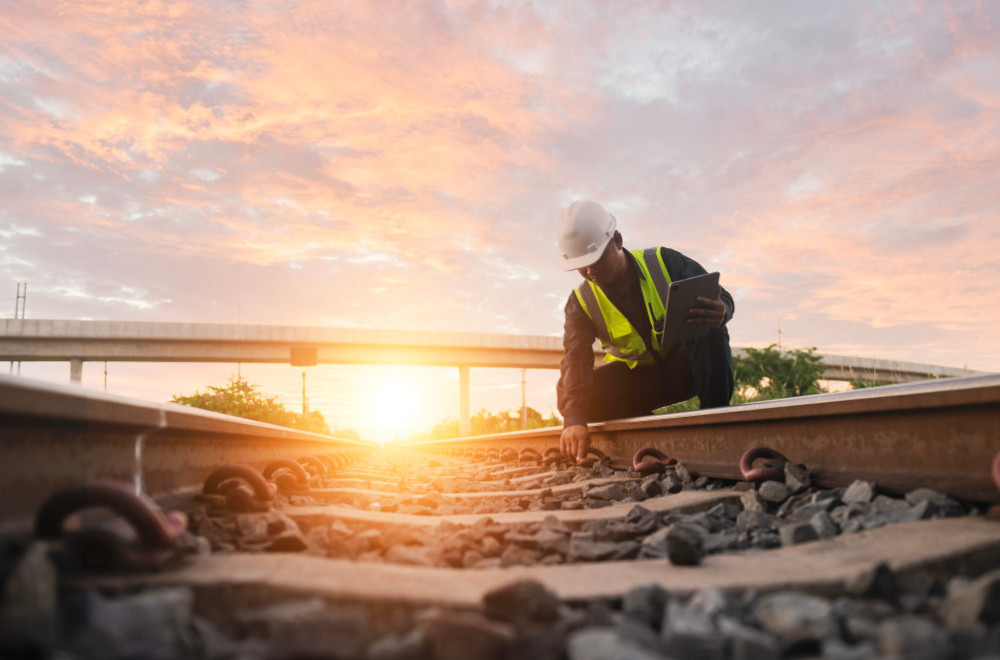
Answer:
[(619, 339)]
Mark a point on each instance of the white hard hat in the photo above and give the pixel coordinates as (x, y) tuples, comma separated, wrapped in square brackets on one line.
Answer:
[(585, 229)]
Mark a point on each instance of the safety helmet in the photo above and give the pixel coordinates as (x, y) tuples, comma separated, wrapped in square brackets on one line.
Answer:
[(585, 229)]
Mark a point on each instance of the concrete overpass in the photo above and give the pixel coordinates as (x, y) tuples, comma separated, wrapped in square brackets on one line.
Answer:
[(76, 342)]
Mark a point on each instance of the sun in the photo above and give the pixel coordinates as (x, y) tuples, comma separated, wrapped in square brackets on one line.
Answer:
[(395, 401)]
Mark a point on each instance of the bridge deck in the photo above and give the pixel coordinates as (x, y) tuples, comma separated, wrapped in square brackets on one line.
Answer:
[(23, 340)]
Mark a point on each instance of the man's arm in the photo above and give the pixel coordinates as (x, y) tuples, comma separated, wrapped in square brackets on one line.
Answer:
[(576, 376)]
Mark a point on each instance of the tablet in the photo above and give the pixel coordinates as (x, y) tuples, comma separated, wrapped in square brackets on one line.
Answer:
[(682, 295)]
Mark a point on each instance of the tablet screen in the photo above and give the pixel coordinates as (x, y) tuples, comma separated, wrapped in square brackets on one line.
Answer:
[(682, 296)]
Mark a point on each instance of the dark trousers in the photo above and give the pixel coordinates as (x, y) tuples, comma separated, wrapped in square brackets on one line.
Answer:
[(701, 367)]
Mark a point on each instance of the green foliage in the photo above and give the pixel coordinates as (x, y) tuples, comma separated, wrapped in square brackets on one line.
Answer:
[(241, 398), (763, 374), (770, 374), (487, 423), (683, 406), (859, 384)]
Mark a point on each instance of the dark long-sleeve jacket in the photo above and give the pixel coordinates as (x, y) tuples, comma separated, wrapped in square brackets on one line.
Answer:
[(576, 369)]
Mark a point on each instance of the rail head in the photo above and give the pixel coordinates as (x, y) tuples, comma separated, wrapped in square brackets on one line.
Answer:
[(943, 434), (26, 399)]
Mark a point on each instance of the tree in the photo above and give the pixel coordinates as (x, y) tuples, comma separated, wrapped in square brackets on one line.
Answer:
[(763, 374), (241, 398), (486, 423), (772, 374)]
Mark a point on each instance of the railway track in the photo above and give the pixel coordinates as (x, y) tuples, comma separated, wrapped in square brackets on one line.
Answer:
[(862, 528)]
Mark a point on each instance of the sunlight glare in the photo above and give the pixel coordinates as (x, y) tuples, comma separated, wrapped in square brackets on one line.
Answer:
[(395, 403)]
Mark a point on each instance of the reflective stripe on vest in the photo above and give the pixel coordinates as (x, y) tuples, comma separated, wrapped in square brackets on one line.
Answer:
[(619, 339)]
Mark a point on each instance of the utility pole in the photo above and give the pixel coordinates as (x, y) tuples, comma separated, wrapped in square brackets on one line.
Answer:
[(19, 303), (239, 321), (22, 298), (305, 402), (524, 407)]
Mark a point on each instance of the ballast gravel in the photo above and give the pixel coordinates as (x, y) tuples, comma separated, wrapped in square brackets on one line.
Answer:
[(875, 617)]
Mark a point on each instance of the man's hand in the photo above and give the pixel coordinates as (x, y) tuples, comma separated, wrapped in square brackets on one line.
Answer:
[(708, 312), (574, 442)]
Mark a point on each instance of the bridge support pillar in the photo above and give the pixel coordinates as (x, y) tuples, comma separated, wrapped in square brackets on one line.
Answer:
[(76, 371), (464, 416)]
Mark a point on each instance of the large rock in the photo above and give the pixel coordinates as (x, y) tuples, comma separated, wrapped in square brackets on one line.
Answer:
[(583, 547), (913, 638), (602, 643), (654, 546), (795, 617), (690, 633), (974, 603), (859, 491), (154, 624), (824, 525), (752, 501), (796, 533), (523, 602), (308, 628), (409, 646), (613, 492), (28, 608), (773, 492), (937, 504), (746, 643), (879, 583), (796, 477), (646, 604), (684, 545), (465, 635)]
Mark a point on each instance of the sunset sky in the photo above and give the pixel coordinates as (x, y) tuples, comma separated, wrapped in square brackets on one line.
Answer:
[(403, 164)]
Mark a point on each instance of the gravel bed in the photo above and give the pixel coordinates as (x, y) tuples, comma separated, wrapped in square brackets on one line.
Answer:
[(773, 514), (877, 616), (953, 621)]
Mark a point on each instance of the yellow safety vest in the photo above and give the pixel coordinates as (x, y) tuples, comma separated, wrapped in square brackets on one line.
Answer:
[(619, 339)]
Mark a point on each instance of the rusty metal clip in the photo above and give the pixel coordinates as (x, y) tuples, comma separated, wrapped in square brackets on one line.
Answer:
[(529, 454), (317, 465), (329, 461), (508, 455), (245, 489), (657, 464), (763, 473), (589, 462), (278, 472), (553, 456), (102, 550)]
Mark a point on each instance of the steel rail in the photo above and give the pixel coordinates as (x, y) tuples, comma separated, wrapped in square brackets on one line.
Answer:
[(941, 434), (55, 436)]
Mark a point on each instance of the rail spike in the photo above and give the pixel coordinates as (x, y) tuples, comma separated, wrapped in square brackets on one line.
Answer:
[(102, 550)]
